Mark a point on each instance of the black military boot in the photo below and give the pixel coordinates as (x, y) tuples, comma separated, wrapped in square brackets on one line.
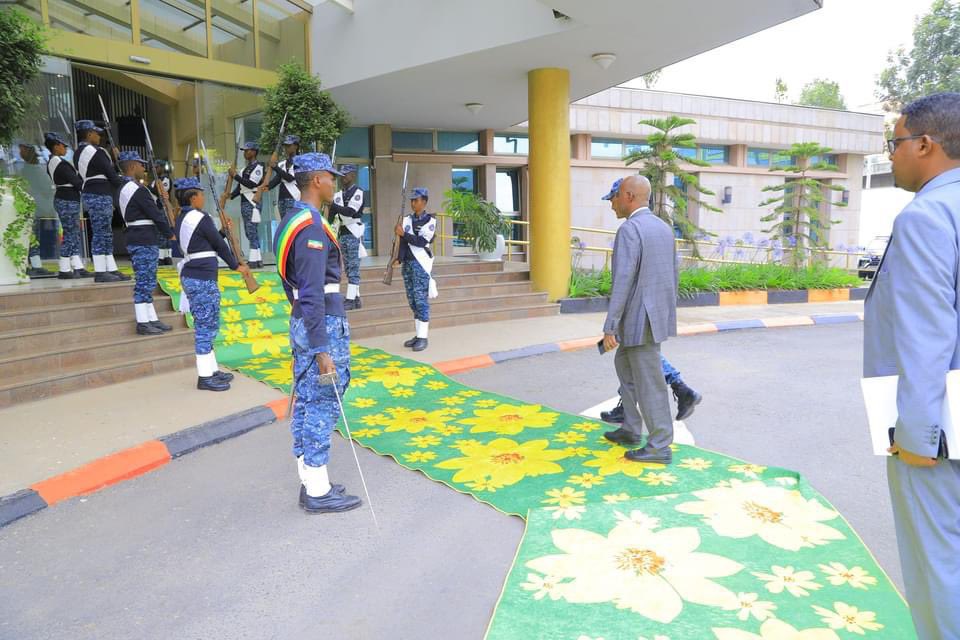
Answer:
[(420, 344), (147, 329), (121, 276), (40, 272), (212, 383), (105, 276), (350, 305), (68, 275), (687, 400), (163, 326), (223, 376), (83, 273), (412, 341)]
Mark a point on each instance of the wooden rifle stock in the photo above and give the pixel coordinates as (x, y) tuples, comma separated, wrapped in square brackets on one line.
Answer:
[(248, 279), (395, 253)]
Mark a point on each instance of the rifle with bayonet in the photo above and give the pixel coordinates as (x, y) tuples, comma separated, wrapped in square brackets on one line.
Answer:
[(186, 161), (67, 129), (388, 272), (161, 190), (109, 129), (233, 170), (248, 279), (273, 160)]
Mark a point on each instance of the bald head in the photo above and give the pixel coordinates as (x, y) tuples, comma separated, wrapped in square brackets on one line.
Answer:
[(633, 194)]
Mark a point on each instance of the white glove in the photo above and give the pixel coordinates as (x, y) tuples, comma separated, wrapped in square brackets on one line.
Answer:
[(255, 216)]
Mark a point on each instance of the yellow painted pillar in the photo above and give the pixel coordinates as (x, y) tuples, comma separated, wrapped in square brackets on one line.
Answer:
[(548, 104)]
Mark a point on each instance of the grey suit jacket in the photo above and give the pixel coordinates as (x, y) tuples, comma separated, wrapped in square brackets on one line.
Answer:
[(644, 294), (912, 310)]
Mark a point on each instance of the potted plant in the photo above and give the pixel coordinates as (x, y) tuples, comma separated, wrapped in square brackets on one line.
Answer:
[(22, 45), (480, 222)]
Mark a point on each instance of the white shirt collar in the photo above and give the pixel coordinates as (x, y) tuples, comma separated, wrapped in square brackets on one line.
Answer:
[(638, 210)]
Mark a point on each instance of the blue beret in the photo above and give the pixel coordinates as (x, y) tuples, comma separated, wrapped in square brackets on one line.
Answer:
[(53, 136), (419, 192), (83, 125), (307, 162), (613, 189), (291, 140), (250, 145), (348, 168), (127, 156), (184, 184)]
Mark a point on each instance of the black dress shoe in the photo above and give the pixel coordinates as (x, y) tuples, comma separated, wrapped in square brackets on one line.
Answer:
[(349, 305), (420, 344), (105, 276), (121, 276), (336, 488), (211, 383), (163, 326), (622, 436), (615, 415), (412, 341), (147, 329), (332, 502), (687, 400), (68, 275), (83, 273), (40, 273), (357, 304), (168, 262), (663, 456), (223, 376)]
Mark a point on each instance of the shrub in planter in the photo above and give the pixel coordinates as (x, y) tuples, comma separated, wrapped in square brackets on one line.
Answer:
[(481, 222)]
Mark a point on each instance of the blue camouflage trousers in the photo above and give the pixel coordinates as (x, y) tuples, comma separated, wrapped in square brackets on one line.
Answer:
[(315, 411), (350, 245), (204, 298), (144, 259), (69, 214), (249, 227), (100, 209), (672, 375), (417, 283), (35, 241)]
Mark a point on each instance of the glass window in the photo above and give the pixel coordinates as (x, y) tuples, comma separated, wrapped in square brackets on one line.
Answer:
[(233, 31), (173, 27), (830, 158), (685, 152), (508, 190), (464, 179), (363, 181), (354, 142), (511, 143), (283, 33), (109, 19), (458, 142), (413, 140), (758, 157), (782, 159), (634, 147), (714, 154), (606, 148)]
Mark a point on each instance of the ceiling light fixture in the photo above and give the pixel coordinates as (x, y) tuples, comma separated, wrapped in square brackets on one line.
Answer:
[(474, 107), (604, 60)]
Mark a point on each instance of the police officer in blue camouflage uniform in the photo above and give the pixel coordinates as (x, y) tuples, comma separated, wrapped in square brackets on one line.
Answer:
[(347, 206), (416, 260), (66, 202), (100, 180), (144, 222), (201, 245), (163, 242), (283, 176), (308, 259), (249, 182)]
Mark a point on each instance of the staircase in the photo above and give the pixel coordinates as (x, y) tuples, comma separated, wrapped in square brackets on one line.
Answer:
[(61, 337)]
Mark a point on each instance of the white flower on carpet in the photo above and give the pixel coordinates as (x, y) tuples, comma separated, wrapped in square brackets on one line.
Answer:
[(543, 585), (838, 574), (649, 572), (749, 604), (778, 516), (797, 583), (787, 481), (613, 498), (638, 518), (570, 513), (774, 629), (849, 618)]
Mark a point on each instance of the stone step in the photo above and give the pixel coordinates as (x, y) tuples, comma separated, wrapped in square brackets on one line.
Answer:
[(440, 267), (65, 292), (440, 306), (395, 295), (445, 281), (374, 328), (73, 313)]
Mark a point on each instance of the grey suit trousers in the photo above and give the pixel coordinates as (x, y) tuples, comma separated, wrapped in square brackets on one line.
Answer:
[(642, 385)]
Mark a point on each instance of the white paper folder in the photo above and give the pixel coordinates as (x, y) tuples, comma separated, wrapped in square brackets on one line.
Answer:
[(880, 398)]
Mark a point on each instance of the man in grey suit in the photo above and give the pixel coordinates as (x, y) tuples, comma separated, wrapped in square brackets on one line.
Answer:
[(642, 315), (911, 318)]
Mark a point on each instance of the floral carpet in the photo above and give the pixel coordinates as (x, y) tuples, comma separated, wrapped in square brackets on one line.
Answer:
[(709, 547)]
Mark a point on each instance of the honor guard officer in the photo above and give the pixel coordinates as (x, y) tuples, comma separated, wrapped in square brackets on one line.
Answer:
[(33, 173), (348, 207), (416, 234), (201, 244), (66, 202), (308, 259), (100, 181), (145, 223), (163, 242), (283, 176), (249, 182)]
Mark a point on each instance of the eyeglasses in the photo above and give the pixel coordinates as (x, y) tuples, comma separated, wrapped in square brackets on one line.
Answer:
[(893, 143)]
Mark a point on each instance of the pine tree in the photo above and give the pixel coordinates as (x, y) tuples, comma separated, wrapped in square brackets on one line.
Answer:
[(311, 113)]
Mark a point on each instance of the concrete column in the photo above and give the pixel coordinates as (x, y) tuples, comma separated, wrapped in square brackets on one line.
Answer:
[(548, 98), (581, 146)]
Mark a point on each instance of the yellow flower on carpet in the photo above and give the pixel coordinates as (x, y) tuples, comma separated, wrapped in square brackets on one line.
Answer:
[(569, 437), (586, 480), (509, 419), (484, 485), (277, 375), (796, 583), (358, 382), (401, 392), (381, 356), (232, 333), (774, 629), (849, 618), (504, 461), (470, 442), (639, 568), (394, 363), (391, 377), (366, 433), (231, 315), (425, 371), (451, 400), (226, 302), (264, 294), (423, 442), (436, 385), (419, 456), (265, 310), (838, 574), (566, 497), (469, 393), (585, 426), (415, 420), (455, 411), (614, 498), (695, 464), (656, 479), (578, 452), (611, 461), (486, 403), (447, 429), (363, 403), (269, 343), (781, 517), (749, 604), (375, 420), (749, 470)]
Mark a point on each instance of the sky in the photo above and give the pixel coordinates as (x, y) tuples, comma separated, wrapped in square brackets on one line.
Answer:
[(847, 41)]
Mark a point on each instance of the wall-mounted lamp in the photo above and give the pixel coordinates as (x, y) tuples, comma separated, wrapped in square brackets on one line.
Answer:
[(845, 196), (604, 60), (140, 59), (474, 107), (727, 195)]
